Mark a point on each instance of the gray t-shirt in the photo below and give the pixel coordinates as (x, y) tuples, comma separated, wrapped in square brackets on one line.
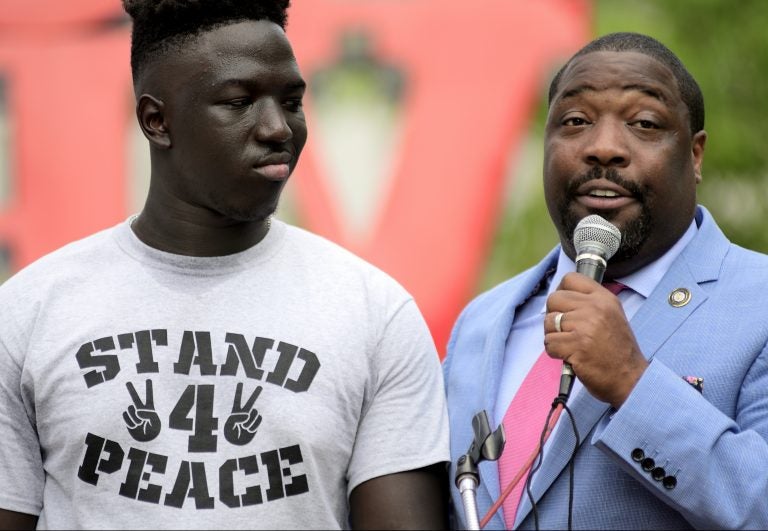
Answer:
[(141, 389)]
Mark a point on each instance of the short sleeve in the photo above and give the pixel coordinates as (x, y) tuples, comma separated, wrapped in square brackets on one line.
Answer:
[(21, 468), (404, 424)]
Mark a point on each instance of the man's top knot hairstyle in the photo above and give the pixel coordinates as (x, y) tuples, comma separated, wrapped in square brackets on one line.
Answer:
[(690, 92), (159, 25)]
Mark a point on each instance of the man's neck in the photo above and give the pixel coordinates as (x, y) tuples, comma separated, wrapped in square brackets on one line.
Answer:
[(185, 234)]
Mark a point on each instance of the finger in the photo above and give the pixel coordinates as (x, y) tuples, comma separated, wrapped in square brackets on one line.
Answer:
[(566, 301), (558, 345), (254, 423), (147, 415), (238, 398), (555, 347), (252, 398), (128, 422), (252, 418), (134, 395), (558, 319), (150, 403), (238, 418), (578, 283), (134, 417), (551, 324)]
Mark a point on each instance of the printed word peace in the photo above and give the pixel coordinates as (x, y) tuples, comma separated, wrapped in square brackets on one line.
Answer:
[(144, 470)]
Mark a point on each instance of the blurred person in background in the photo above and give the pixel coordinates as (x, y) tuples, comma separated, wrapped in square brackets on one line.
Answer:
[(203, 364), (668, 422)]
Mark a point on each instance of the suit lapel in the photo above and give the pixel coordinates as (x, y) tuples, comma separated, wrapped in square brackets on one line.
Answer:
[(492, 363), (494, 354), (658, 319)]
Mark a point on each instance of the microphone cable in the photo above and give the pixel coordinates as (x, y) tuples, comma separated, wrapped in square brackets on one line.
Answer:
[(549, 424), (559, 401), (558, 406)]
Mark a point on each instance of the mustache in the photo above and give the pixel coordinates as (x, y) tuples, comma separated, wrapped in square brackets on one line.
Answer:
[(609, 174)]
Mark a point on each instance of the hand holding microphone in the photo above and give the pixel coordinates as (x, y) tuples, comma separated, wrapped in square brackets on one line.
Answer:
[(586, 326), (596, 241)]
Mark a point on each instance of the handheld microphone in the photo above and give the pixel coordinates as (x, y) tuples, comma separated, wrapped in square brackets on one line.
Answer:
[(596, 241)]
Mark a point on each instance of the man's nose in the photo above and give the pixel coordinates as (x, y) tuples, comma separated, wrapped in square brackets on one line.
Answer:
[(607, 144), (271, 124)]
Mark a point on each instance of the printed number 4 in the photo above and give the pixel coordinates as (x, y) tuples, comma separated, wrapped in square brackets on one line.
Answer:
[(203, 439), (239, 429)]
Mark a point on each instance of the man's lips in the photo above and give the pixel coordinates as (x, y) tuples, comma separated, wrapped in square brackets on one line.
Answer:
[(274, 172), (601, 194), (274, 167)]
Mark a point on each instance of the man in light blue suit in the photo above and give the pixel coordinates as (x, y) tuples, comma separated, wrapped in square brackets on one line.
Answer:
[(671, 397)]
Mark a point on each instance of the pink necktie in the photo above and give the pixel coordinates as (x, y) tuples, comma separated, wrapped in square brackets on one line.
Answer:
[(525, 418), (523, 423), (614, 287)]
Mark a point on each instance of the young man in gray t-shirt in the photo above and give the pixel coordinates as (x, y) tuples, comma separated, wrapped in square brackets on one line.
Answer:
[(203, 365)]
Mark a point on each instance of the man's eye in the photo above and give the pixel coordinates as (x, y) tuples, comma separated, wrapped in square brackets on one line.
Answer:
[(646, 124), (575, 121), (239, 103), (293, 105)]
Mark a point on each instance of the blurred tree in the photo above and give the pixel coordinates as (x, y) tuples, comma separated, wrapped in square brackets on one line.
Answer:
[(724, 45)]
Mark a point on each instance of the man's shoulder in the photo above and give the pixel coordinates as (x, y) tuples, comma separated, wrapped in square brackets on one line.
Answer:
[(516, 289), (713, 252), (495, 305), (313, 241), (749, 258), (325, 255), (744, 271), (76, 257)]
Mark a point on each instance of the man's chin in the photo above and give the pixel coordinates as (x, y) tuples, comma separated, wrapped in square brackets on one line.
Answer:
[(634, 230), (251, 217), (248, 213), (634, 233)]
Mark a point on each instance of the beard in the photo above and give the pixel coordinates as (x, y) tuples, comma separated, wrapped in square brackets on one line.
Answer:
[(634, 233)]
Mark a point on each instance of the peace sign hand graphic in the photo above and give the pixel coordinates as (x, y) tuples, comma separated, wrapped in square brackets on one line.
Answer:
[(241, 425), (141, 419)]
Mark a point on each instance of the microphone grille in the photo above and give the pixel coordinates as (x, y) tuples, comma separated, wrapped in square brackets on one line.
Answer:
[(595, 234)]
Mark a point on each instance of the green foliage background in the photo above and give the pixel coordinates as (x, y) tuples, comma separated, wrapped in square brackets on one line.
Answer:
[(724, 44)]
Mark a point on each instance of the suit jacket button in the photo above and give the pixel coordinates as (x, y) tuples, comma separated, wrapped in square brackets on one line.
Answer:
[(648, 464), (638, 455), (658, 473), (669, 482)]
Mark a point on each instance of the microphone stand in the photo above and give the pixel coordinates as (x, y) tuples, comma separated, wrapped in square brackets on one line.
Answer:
[(487, 445)]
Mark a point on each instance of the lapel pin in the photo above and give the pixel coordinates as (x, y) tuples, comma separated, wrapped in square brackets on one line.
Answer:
[(679, 297)]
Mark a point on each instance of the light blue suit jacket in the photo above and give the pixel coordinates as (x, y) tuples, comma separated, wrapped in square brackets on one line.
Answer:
[(714, 443)]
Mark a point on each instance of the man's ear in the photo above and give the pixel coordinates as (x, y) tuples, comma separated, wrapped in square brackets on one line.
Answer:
[(697, 153), (150, 112)]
